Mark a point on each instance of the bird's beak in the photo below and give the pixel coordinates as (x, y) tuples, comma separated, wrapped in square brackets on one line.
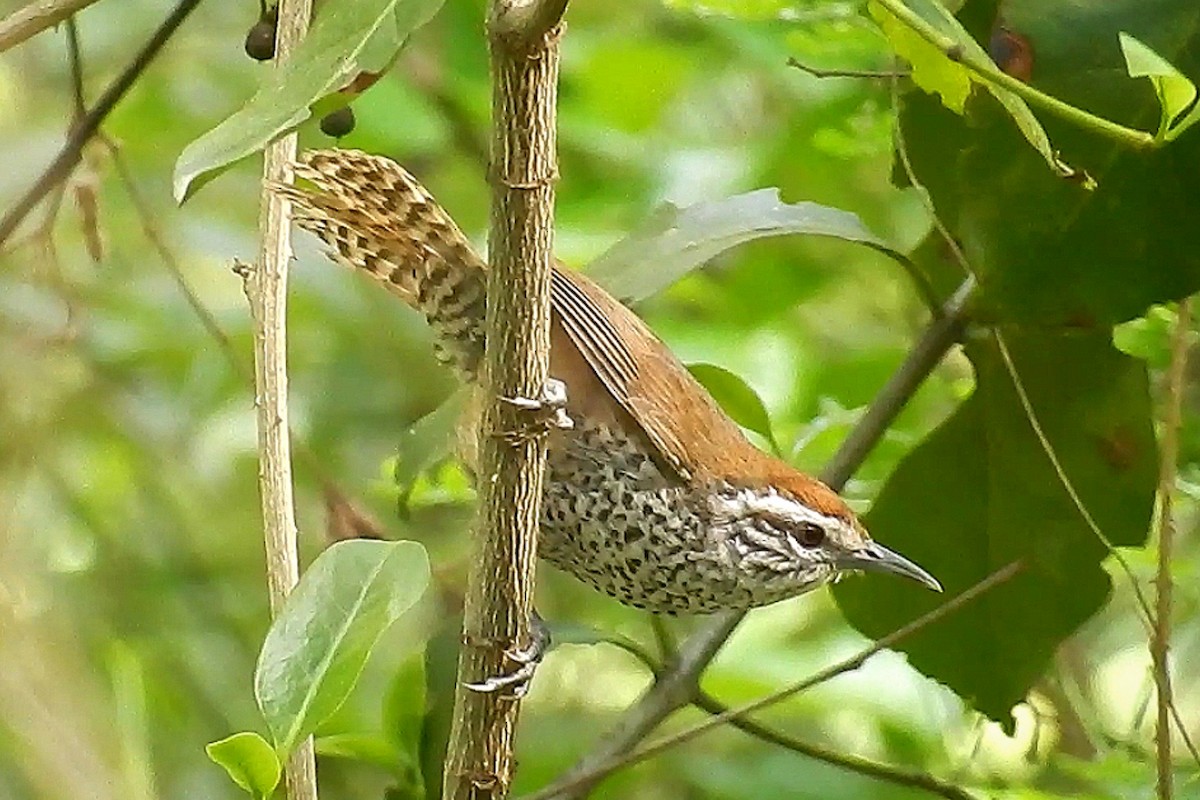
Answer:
[(877, 558)]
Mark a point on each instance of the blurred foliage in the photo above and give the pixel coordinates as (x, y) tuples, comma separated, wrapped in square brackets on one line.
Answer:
[(132, 602)]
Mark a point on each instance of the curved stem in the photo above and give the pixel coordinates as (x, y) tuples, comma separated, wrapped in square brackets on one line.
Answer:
[(991, 74)]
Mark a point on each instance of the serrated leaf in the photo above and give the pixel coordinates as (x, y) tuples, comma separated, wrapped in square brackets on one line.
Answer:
[(249, 761), (317, 646), (1176, 93), (980, 493), (738, 399), (342, 43), (674, 241), (939, 74)]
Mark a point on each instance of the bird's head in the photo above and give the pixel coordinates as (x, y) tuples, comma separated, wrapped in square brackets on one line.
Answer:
[(794, 535)]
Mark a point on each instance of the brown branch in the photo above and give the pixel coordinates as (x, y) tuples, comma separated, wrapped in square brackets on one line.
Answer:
[(27, 22), (1161, 638), (519, 24), (512, 445), (847, 665), (86, 128), (266, 290)]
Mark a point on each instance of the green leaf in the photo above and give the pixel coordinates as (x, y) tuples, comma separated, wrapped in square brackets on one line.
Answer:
[(740, 401), (429, 440), (404, 713), (980, 492), (675, 241), (318, 644), (341, 44), (935, 72), (1048, 252), (931, 70), (1176, 94), (249, 760)]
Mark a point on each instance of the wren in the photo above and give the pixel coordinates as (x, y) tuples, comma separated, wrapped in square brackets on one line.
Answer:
[(654, 495)]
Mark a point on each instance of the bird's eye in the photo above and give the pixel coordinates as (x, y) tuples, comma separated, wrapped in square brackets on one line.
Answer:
[(811, 534)]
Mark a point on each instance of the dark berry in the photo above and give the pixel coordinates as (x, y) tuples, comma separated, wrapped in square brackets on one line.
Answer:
[(260, 40), (338, 123)]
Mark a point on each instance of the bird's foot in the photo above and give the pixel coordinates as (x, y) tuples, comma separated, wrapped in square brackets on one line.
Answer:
[(540, 414), (514, 684)]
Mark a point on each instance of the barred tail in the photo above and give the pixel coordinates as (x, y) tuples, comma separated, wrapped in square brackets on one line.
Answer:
[(376, 218)]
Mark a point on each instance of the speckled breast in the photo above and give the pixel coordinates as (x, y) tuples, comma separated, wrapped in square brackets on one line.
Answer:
[(613, 520)]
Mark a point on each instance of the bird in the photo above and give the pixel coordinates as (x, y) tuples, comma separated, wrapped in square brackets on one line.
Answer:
[(653, 495)]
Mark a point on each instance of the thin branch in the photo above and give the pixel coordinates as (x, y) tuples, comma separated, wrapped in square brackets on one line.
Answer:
[(847, 665), (27, 22), (512, 440), (862, 766), (706, 702), (816, 72), (1160, 641), (266, 290), (82, 132)]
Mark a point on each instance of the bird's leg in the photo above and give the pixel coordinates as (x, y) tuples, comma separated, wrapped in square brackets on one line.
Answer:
[(540, 414), (525, 660)]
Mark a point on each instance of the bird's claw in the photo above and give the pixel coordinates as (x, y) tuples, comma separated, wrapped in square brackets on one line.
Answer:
[(542, 413), (514, 684)]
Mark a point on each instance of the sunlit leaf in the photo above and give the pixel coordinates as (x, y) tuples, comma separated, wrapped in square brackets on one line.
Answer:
[(318, 644), (249, 761), (1176, 93)]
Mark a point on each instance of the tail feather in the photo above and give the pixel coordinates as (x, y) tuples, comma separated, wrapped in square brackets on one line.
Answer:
[(376, 218)]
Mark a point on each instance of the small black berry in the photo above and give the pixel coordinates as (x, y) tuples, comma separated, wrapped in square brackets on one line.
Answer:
[(260, 39), (338, 123)]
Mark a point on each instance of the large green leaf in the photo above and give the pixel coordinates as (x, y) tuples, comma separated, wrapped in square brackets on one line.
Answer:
[(1048, 251), (981, 492), (318, 644), (347, 38), (674, 241)]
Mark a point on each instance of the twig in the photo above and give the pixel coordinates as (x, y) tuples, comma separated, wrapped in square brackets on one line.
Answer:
[(26, 22), (846, 761), (499, 598), (678, 686), (706, 702), (854, 662), (266, 290), (83, 131), (1160, 641), (816, 72)]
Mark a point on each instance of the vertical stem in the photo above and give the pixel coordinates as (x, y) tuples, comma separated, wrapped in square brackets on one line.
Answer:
[(1160, 641), (499, 601), (266, 290)]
